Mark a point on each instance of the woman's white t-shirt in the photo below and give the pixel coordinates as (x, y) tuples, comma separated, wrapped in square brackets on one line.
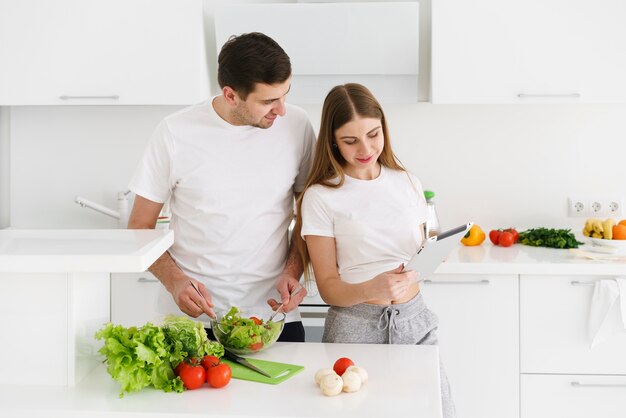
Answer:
[(231, 192), (377, 224)]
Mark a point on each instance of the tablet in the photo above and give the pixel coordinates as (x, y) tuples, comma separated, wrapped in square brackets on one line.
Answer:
[(434, 251)]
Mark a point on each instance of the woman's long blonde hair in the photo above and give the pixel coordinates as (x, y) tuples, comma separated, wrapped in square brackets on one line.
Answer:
[(342, 104)]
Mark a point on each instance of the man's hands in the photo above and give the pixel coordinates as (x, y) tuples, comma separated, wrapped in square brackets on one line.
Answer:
[(189, 300), (285, 285)]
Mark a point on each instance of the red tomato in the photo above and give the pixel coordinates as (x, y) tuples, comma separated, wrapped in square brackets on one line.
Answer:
[(256, 320), (209, 361), (506, 239), (342, 364), (256, 346), (494, 236), (179, 367), (193, 376), (515, 234), (219, 376)]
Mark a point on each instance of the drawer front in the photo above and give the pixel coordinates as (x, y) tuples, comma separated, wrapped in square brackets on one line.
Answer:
[(554, 312), (573, 396), (133, 298)]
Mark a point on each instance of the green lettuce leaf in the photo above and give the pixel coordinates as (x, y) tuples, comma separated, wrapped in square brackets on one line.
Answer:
[(141, 357)]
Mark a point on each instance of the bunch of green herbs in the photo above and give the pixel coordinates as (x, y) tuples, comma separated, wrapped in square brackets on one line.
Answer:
[(145, 356), (549, 237)]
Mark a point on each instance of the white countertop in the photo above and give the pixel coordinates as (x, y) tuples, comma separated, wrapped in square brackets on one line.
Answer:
[(81, 250), (523, 259), (403, 381)]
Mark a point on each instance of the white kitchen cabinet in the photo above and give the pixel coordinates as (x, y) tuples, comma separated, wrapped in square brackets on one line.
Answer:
[(56, 283), (78, 52), (573, 396), (134, 298), (479, 341), (531, 51), (561, 374), (554, 312), (350, 47)]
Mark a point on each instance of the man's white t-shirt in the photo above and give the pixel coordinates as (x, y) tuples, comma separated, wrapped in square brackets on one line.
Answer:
[(377, 224), (231, 192)]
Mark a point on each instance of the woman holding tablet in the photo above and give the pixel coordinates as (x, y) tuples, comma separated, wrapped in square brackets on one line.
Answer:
[(361, 217)]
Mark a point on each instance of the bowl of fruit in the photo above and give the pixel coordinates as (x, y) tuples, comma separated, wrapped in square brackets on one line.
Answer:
[(244, 331), (606, 233)]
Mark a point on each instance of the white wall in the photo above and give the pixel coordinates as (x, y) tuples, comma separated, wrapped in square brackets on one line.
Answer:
[(511, 165), (58, 152), (498, 165)]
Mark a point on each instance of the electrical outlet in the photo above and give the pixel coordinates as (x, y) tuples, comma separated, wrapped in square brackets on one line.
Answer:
[(615, 207), (595, 207), (578, 207)]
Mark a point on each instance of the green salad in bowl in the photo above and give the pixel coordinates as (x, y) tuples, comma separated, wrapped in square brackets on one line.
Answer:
[(244, 333)]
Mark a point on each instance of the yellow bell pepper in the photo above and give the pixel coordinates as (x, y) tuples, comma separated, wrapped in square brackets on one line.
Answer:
[(475, 236)]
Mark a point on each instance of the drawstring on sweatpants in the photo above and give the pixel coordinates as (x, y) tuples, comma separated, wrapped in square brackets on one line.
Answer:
[(387, 320)]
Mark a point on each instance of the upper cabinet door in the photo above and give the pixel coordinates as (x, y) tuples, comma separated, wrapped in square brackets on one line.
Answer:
[(102, 52), (375, 44), (530, 51)]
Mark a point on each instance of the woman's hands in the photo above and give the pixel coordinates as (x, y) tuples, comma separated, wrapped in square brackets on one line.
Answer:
[(391, 285)]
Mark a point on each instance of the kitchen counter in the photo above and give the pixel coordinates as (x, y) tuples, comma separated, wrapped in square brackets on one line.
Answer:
[(523, 259), (55, 293), (79, 250), (403, 381)]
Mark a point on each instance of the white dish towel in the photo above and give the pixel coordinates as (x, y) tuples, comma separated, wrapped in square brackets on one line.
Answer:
[(607, 314)]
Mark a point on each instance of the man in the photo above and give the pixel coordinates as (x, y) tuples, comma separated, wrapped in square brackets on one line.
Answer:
[(231, 167)]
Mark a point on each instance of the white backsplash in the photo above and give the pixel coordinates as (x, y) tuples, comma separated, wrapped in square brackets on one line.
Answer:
[(511, 165)]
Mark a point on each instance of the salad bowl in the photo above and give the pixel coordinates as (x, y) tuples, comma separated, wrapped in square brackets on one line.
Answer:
[(243, 331)]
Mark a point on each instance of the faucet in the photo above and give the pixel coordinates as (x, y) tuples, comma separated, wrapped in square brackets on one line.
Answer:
[(122, 208)]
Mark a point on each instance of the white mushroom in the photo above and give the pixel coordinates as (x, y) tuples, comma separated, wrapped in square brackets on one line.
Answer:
[(361, 372), (351, 381), (331, 384), (321, 373)]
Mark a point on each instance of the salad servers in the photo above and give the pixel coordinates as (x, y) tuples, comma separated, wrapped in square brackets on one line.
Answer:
[(293, 293)]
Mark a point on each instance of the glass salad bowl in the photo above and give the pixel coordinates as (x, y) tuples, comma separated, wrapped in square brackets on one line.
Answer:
[(244, 331)]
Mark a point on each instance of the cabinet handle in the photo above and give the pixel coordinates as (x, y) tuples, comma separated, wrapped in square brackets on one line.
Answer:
[(577, 283), (113, 97), (567, 95), (476, 282), (144, 280), (598, 385)]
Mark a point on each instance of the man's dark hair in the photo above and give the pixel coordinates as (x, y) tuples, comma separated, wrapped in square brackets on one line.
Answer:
[(249, 59)]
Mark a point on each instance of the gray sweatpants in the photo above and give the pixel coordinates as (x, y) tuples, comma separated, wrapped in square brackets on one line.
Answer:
[(406, 323)]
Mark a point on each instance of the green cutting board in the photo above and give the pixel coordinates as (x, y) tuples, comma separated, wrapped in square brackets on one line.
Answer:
[(279, 371)]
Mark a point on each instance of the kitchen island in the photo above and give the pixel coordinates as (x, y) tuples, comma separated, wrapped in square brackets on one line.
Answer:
[(403, 381)]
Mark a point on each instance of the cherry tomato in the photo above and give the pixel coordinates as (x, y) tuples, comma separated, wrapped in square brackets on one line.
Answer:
[(193, 376), (256, 346), (494, 235), (506, 239), (209, 361), (342, 364), (515, 234), (256, 320), (219, 376)]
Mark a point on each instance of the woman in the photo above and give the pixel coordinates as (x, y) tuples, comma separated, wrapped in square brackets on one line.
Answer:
[(361, 217)]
